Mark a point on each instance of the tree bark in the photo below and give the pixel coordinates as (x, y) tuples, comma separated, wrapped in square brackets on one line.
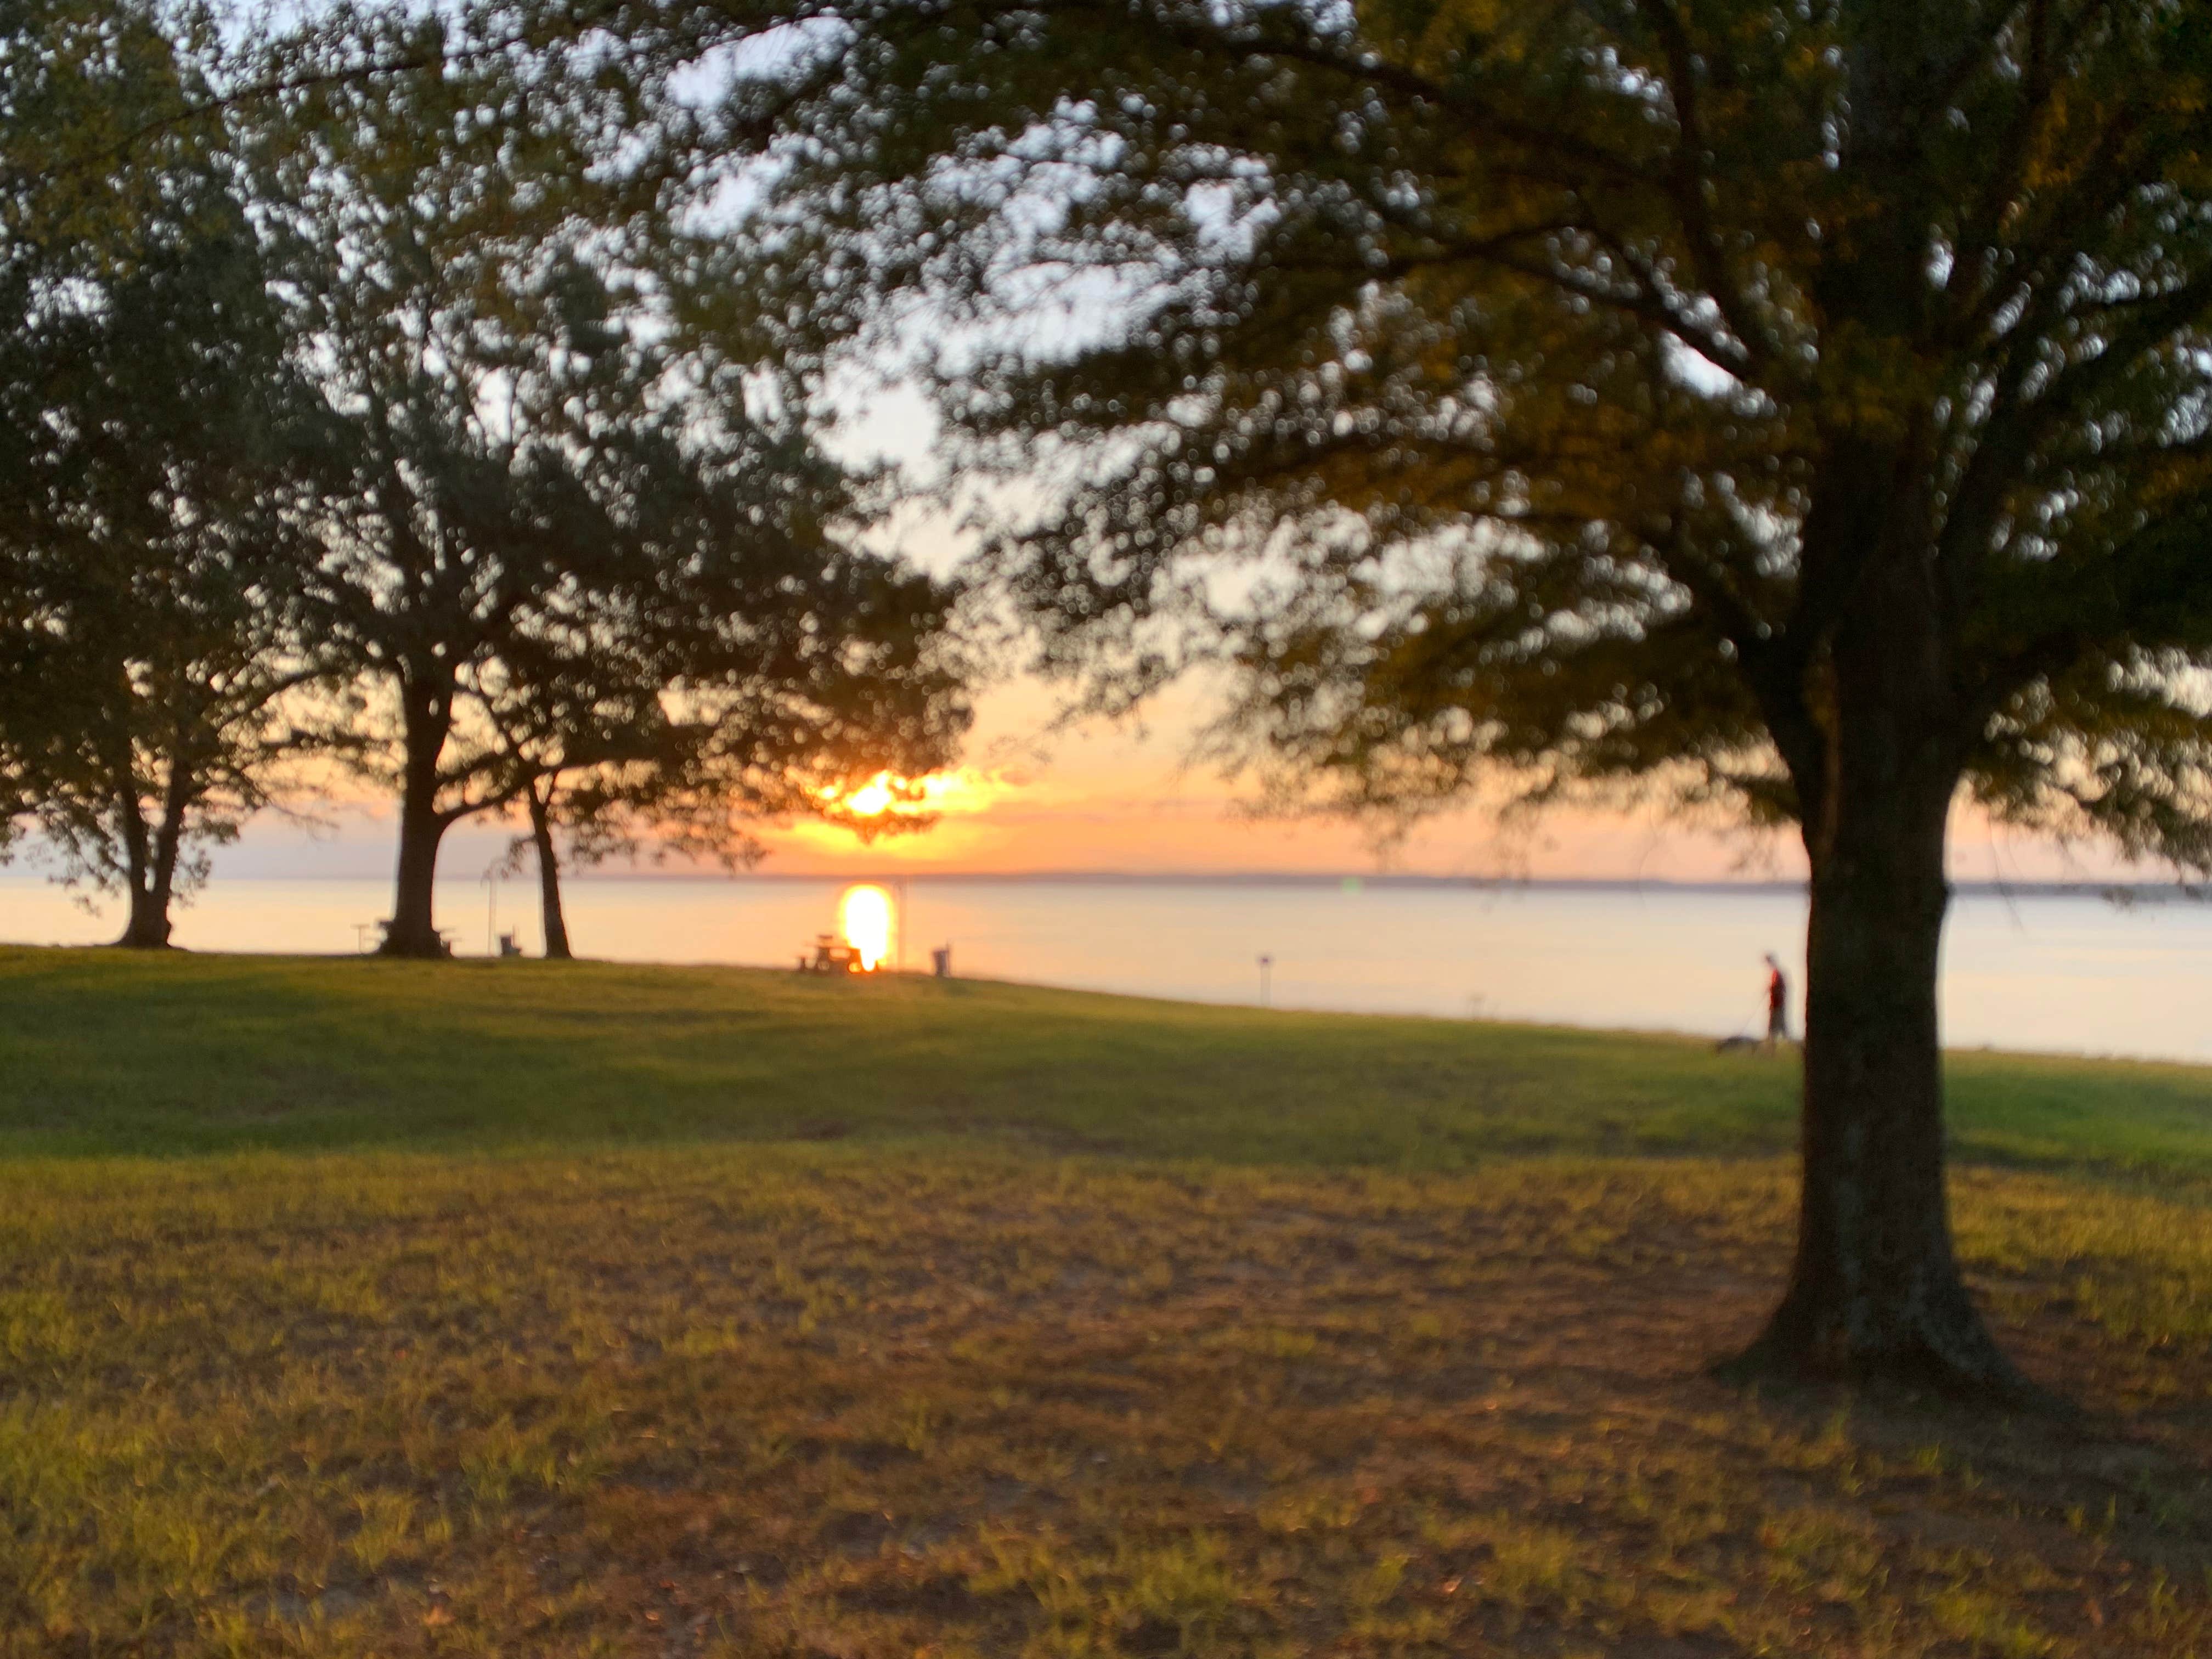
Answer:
[(153, 891), (148, 926), (177, 800), (148, 929), (413, 931), (1875, 1291), (548, 875)]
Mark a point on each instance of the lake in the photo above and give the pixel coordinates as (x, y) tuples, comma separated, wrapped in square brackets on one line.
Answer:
[(2035, 970)]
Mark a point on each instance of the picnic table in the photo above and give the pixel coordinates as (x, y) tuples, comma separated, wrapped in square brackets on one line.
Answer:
[(832, 956)]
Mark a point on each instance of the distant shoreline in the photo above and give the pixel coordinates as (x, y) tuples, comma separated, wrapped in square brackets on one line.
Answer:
[(2118, 892)]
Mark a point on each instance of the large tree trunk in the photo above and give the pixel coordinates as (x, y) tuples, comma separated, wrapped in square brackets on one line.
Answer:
[(153, 891), (1875, 1291), (153, 888), (148, 926), (548, 875), (413, 931), (148, 929)]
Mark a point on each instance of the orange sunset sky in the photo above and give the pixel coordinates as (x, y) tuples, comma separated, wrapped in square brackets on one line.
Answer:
[(1103, 798)]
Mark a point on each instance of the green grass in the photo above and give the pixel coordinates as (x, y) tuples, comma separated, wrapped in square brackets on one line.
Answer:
[(105, 1053), (353, 1308)]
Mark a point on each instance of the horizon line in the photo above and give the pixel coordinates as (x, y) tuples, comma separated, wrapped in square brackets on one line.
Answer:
[(1352, 879)]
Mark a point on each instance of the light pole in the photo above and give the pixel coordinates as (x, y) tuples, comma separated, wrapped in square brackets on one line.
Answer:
[(1267, 964)]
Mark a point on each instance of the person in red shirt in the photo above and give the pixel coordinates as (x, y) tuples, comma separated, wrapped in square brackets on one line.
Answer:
[(1777, 1003)]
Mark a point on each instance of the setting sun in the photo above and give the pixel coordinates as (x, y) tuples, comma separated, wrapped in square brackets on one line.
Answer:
[(863, 916), (889, 792), (874, 796)]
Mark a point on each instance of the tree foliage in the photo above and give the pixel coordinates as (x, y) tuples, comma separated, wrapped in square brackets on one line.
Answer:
[(1447, 317), (348, 404), (143, 578), (1804, 408), (581, 561)]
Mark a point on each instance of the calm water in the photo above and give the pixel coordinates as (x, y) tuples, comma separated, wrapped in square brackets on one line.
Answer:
[(2035, 971)]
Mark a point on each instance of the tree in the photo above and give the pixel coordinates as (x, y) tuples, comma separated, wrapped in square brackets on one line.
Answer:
[(582, 561), (1806, 408), (757, 671), (74, 76), (143, 653), (80, 80), (444, 303), (788, 672)]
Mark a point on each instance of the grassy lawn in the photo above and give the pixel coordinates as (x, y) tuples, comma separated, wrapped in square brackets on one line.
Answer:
[(361, 1307)]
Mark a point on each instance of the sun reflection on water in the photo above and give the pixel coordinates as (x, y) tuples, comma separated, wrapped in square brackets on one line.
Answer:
[(863, 916)]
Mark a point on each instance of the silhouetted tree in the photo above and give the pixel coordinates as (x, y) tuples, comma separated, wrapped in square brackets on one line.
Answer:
[(576, 555), (142, 399), (73, 75), (81, 82), (1808, 409), (790, 671), (479, 379)]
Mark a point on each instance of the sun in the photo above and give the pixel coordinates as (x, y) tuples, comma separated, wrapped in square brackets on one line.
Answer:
[(889, 792), (875, 796), (863, 916), (870, 809)]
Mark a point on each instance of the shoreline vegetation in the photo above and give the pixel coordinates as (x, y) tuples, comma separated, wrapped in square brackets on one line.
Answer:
[(354, 1305)]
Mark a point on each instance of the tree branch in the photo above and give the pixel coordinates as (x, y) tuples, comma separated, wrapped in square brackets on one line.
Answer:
[(1687, 190)]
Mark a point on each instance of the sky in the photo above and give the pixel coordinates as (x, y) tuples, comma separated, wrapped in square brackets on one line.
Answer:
[(1034, 798), (1099, 798), (1102, 799)]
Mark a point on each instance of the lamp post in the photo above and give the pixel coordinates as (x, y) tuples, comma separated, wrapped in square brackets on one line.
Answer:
[(1267, 964)]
